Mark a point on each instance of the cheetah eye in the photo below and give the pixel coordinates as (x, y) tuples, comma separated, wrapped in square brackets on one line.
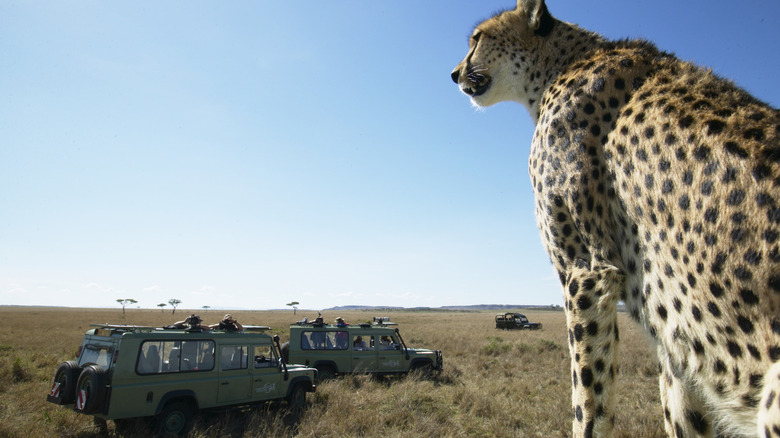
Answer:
[(475, 38)]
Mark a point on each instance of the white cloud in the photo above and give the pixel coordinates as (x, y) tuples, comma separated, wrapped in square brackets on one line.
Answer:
[(16, 290), (343, 294), (205, 290)]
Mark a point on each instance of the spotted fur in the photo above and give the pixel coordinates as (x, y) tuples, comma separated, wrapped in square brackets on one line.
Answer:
[(656, 184)]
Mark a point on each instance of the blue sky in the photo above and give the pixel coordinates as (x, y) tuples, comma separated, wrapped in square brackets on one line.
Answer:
[(246, 154)]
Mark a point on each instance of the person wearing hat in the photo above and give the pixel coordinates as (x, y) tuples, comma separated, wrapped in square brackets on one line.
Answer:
[(340, 322), (229, 324), (191, 322)]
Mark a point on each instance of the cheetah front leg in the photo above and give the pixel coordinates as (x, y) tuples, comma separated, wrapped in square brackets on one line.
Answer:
[(591, 315)]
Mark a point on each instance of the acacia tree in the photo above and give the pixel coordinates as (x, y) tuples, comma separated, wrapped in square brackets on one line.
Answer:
[(174, 302), (161, 305), (294, 305), (124, 302)]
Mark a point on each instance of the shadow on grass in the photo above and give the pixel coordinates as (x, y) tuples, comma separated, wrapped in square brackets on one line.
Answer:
[(270, 419)]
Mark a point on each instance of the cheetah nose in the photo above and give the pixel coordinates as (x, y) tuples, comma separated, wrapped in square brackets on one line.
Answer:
[(455, 75)]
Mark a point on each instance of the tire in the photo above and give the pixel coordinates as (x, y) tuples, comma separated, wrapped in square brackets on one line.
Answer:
[(325, 372), (285, 352), (129, 426), (66, 375), (91, 389), (101, 425), (296, 400), (175, 420), (424, 369)]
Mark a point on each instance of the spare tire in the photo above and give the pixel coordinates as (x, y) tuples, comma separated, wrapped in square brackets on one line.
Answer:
[(285, 352), (91, 389), (63, 390)]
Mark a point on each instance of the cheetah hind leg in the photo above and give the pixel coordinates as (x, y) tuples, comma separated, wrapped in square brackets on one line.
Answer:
[(769, 408), (683, 410)]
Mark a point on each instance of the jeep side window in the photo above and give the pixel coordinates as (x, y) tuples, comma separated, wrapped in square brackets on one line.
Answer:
[(172, 355), (265, 356), (342, 340), (359, 343), (150, 358), (317, 340), (175, 356), (389, 343), (206, 356), (324, 340), (197, 355), (306, 343), (233, 357), (189, 355)]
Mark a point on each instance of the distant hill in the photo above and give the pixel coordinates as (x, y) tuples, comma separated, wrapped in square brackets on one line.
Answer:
[(473, 308)]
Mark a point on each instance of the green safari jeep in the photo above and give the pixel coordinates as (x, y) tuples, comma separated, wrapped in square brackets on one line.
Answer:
[(162, 377), (365, 348)]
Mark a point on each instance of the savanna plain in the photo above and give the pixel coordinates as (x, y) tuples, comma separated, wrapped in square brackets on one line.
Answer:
[(495, 383)]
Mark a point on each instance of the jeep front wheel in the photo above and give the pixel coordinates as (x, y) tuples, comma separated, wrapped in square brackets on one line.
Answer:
[(424, 369), (130, 426), (174, 420), (297, 398)]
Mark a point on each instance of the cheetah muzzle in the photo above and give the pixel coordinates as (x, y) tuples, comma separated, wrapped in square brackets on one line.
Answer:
[(475, 84), (656, 184)]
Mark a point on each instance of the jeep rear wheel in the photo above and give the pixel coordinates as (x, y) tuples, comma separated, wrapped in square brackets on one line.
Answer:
[(175, 420), (325, 372)]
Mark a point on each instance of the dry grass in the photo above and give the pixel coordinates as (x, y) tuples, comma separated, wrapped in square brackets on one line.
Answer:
[(495, 383)]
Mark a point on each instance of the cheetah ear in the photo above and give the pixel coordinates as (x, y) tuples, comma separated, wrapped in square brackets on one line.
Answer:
[(539, 18)]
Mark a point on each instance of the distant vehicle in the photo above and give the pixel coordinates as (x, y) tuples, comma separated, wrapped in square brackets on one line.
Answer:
[(515, 321), (374, 348), (163, 377)]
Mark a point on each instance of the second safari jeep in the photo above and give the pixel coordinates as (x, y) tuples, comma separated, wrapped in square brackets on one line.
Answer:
[(364, 348)]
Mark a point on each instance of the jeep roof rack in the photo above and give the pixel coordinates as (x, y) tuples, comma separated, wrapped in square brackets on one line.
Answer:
[(125, 327), (256, 328), (383, 321)]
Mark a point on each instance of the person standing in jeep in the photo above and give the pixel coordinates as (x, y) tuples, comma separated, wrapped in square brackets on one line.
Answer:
[(229, 324)]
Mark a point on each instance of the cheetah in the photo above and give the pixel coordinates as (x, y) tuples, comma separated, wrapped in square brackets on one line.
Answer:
[(655, 184)]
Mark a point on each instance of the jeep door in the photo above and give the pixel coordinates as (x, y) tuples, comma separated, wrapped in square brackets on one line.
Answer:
[(235, 380), (363, 354), (266, 374), (391, 355)]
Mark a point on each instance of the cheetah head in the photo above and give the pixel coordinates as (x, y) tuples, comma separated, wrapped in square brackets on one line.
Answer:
[(499, 65)]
